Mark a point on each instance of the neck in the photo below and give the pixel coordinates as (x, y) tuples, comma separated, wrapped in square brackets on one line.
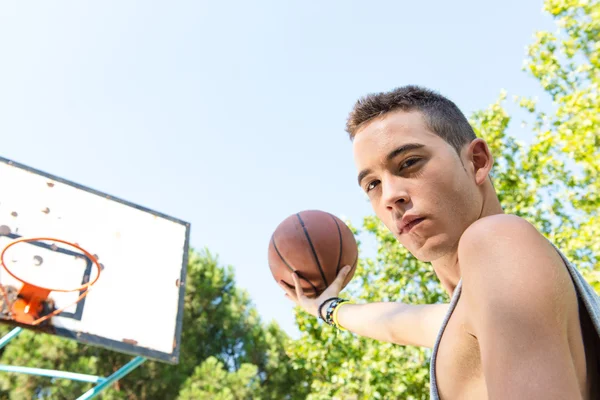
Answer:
[(447, 267)]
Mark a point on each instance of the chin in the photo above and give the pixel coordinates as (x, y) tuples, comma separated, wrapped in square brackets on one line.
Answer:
[(431, 250), (418, 252)]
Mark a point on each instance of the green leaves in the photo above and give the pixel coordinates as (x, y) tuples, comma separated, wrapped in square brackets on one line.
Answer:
[(211, 380), (568, 140)]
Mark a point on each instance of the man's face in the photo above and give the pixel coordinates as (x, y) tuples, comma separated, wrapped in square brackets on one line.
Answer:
[(409, 172)]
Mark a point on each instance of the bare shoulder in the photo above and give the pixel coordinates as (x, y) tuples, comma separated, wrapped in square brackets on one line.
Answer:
[(508, 241), (506, 227), (506, 262), (520, 306)]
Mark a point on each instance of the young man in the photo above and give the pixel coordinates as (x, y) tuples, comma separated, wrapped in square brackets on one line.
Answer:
[(522, 323)]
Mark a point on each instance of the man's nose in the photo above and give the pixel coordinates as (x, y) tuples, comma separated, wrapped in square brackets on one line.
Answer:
[(394, 194)]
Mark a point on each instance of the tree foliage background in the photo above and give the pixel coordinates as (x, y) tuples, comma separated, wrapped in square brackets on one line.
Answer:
[(228, 353)]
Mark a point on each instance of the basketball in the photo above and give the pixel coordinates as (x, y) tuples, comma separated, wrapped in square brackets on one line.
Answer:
[(316, 245)]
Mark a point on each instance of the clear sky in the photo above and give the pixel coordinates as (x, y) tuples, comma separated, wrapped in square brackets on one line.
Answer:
[(230, 115)]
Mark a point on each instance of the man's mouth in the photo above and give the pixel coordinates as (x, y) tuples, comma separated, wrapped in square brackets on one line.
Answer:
[(408, 227)]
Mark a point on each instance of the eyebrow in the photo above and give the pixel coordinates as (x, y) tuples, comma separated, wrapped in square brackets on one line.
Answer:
[(391, 155)]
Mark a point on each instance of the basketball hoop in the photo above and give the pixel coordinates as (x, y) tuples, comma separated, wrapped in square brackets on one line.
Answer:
[(30, 299)]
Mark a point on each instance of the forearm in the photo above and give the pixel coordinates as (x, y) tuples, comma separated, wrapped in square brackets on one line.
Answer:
[(399, 323), (393, 322)]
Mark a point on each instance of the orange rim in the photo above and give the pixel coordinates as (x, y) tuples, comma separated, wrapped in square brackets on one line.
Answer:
[(85, 287)]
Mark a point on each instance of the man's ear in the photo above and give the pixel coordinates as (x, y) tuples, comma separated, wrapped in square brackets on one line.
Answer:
[(481, 159)]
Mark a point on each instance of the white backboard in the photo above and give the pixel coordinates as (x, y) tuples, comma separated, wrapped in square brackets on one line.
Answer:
[(136, 306)]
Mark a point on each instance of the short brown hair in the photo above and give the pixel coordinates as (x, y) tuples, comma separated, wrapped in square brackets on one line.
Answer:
[(441, 115)]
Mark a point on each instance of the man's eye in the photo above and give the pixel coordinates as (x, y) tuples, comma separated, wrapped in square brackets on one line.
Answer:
[(372, 185), (409, 163)]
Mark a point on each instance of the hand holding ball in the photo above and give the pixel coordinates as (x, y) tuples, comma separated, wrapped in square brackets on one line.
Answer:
[(314, 244)]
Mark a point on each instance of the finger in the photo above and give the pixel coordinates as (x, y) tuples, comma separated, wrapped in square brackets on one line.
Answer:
[(289, 292), (339, 280), (299, 291)]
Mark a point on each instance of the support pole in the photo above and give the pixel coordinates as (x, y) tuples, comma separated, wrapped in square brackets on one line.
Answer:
[(121, 372), (103, 383), (51, 373), (10, 336)]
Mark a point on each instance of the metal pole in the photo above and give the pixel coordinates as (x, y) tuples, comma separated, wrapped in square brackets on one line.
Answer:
[(103, 383), (52, 373), (10, 336), (124, 370)]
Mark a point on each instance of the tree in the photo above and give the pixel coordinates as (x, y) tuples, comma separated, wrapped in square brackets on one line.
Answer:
[(222, 333), (566, 64), (554, 183), (211, 380)]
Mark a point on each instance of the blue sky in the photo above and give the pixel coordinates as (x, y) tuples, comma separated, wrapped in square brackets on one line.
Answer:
[(230, 115)]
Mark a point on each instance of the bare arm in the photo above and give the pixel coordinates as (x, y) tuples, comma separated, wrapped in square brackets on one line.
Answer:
[(399, 323), (392, 322)]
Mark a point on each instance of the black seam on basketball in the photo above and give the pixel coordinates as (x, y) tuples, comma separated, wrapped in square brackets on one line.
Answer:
[(309, 282), (312, 249), (292, 269), (279, 254), (337, 270)]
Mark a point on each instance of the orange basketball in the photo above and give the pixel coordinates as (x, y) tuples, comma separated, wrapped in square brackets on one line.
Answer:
[(314, 244)]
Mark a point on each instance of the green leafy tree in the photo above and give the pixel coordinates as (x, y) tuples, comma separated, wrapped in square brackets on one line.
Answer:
[(221, 330), (212, 380), (554, 183), (567, 65)]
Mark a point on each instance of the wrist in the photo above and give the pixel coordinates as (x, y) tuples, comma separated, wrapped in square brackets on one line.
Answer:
[(328, 311), (322, 307), (326, 304)]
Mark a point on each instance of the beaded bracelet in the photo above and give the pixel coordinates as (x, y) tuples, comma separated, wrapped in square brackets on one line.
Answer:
[(327, 317), (331, 309), (320, 310), (331, 312)]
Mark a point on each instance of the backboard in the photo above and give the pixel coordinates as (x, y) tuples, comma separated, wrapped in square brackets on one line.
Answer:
[(136, 305)]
